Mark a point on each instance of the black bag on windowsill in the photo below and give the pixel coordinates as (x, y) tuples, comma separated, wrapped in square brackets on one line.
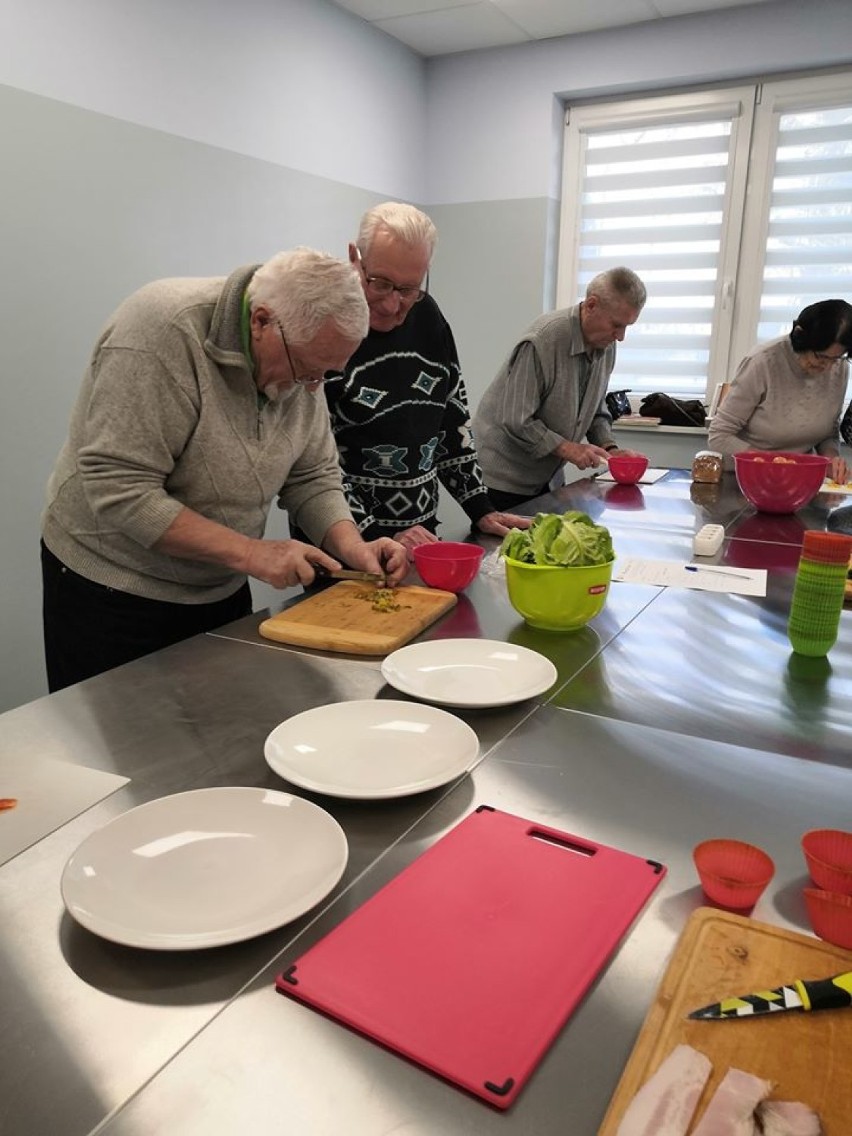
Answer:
[(673, 411), (618, 404)]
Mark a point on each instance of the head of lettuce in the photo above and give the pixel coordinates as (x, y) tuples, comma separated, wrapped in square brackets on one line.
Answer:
[(567, 540)]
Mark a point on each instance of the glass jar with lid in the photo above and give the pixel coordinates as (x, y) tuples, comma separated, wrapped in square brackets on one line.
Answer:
[(707, 467)]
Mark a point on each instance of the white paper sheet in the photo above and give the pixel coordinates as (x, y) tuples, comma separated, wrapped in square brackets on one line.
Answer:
[(647, 478), (709, 578), (49, 793)]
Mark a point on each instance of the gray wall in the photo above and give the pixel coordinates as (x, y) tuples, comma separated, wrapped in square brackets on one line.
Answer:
[(489, 278), (93, 207)]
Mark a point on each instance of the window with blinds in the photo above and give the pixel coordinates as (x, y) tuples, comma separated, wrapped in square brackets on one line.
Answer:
[(806, 211), (734, 207)]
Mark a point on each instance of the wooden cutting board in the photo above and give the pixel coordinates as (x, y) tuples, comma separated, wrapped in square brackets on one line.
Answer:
[(342, 618), (808, 1056)]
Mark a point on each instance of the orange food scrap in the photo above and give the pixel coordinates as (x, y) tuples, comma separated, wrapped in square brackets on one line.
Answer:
[(7, 803)]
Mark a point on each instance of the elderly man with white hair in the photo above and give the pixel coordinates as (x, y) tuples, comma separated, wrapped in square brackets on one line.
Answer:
[(199, 408), (399, 410), (546, 407)]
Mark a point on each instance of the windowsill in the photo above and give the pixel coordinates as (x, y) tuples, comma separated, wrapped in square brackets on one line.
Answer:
[(654, 428)]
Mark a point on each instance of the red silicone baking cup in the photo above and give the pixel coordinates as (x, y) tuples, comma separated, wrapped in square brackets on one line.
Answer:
[(826, 548), (732, 873), (831, 916), (828, 854)]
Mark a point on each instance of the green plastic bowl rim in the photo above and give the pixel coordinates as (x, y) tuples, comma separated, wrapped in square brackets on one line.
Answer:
[(559, 567)]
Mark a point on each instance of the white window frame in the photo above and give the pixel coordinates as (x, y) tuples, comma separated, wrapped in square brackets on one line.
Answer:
[(755, 109)]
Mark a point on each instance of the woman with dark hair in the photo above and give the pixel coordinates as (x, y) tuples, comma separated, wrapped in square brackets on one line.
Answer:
[(788, 394)]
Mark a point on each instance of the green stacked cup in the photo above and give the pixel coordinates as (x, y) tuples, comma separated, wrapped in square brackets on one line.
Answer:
[(818, 593)]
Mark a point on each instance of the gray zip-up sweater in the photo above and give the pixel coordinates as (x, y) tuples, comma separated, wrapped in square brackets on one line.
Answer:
[(169, 416)]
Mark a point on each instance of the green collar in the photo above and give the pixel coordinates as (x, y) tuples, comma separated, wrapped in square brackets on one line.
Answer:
[(245, 331), (245, 336)]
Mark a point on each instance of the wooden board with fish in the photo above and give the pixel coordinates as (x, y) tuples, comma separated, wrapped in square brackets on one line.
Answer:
[(359, 619), (719, 954)]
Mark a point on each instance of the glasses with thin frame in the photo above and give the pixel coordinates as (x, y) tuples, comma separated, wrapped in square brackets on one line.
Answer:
[(381, 286), (823, 358), (297, 378)]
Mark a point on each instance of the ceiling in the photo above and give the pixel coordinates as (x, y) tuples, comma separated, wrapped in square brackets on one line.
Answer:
[(440, 27)]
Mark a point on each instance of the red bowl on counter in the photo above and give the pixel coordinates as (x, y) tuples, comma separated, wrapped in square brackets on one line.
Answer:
[(447, 564), (627, 469), (779, 482)]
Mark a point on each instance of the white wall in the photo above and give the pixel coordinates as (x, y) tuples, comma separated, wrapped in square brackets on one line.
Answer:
[(494, 130), (300, 83), (170, 137)]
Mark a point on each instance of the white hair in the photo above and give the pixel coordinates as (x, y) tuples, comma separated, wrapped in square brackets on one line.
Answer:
[(618, 284), (306, 288), (407, 224)]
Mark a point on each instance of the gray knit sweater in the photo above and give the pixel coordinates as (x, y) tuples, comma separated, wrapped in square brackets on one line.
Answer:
[(169, 416), (773, 404)]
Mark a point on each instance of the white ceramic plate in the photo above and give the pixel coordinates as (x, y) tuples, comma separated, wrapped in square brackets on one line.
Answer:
[(204, 868), (469, 672), (371, 749)]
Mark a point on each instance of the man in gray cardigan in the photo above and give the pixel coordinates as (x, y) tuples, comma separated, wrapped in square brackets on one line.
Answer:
[(198, 408), (547, 404)]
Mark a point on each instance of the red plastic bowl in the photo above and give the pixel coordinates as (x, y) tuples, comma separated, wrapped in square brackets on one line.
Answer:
[(627, 470), (774, 486), (449, 565)]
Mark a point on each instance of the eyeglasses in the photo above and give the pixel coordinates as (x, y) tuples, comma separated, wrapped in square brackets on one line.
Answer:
[(380, 286), (823, 358), (297, 378)]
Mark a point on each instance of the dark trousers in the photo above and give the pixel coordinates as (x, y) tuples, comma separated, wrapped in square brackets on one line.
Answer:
[(504, 502), (89, 629)]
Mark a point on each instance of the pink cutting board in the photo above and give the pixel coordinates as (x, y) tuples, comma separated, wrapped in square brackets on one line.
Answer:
[(470, 961)]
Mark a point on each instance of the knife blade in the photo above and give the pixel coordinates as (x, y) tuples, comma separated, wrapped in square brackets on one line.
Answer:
[(350, 574), (814, 994)]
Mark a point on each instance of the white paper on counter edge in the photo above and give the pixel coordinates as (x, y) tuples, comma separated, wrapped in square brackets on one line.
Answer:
[(673, 574), (647, 478)]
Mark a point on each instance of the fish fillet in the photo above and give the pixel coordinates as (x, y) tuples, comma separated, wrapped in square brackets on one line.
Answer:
[(787, 1118), (665, 1104), (732, 1107)]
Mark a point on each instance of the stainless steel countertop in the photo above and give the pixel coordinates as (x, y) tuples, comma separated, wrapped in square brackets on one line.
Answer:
[(99, 1037)]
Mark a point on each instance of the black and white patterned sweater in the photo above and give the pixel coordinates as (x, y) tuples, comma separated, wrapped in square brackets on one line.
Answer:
[(401, 420)]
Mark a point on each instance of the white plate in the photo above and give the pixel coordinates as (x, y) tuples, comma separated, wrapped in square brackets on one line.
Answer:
[(371, 749), (204, 868), (469, 672)]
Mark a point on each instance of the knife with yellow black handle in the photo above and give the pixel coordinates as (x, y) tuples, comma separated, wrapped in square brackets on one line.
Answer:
[(815, 994)]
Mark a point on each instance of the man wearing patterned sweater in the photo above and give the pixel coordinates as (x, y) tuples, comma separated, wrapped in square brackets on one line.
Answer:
[(399, 411)]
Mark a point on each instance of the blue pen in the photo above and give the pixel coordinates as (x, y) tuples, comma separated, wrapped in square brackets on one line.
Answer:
[(718, 571)]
